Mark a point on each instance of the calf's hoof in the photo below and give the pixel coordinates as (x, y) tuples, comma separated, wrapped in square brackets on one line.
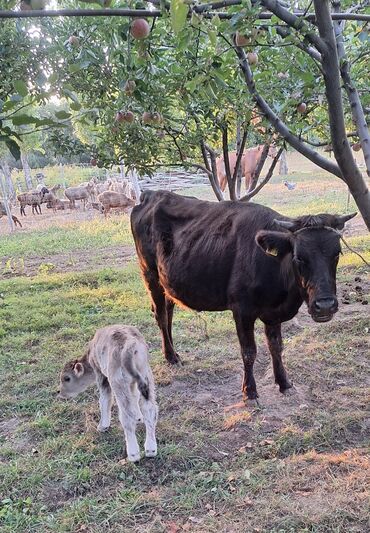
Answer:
[(286, 388), (151, 453), (133, 457), (102, 429)]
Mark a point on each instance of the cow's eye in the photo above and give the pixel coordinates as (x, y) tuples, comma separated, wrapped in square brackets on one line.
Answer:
[(67, 379), (300, 260)]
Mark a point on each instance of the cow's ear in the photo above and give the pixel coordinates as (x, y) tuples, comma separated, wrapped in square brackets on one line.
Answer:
[(275, 243)]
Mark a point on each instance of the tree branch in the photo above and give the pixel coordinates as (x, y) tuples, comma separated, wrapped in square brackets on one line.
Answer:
[(266, 179), (259, 167), (278, 124), (225, 150), (212, 174)]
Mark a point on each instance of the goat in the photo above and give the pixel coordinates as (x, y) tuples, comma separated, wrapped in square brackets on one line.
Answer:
[(81, 192), (117, 360), (33, 198), (111, 199)]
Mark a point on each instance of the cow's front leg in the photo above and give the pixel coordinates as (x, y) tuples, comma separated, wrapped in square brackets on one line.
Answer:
[(275, 344), (245, 330)]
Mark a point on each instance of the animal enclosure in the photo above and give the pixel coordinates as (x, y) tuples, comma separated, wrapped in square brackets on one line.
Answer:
[(288, 466)]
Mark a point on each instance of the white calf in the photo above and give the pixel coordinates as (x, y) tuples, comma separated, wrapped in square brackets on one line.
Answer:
[(117, 360)]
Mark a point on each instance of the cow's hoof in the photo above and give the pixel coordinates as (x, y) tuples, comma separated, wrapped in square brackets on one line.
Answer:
[(288, 392), (252, 403), (173, 359)]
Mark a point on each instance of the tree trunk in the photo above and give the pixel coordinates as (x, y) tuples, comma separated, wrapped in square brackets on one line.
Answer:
[(239, 172), (283, 166), (211, 169), (122, 170), (5, 202), (341, 148), (135, 183), (357, 109), (26, 170), (9, 186)]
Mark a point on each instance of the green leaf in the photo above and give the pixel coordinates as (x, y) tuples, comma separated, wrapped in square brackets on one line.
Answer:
[(70, 94), (75, 67), (179, 12), (212, 37), (21, 87), (62, 115), (75, 106), (13, 148), (53, 77), (21, 120)]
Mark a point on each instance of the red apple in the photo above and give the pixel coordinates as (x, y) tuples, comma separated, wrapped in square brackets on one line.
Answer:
[(146, 117), (24, 6), (74, 40), (38, 4), (119, 117), (93, 162), (356, 147), (156, 118), (252, 58), (128, 116), (302, 107), (129, 87), (140, 29), (241, 40)]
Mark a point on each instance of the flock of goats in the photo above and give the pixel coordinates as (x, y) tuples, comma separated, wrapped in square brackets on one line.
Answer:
[(103, 196)]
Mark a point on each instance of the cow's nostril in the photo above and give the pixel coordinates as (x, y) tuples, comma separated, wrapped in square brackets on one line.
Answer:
[(325, 304)]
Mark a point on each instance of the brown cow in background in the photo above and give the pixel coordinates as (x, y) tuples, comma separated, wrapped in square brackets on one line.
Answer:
[(248, 164)]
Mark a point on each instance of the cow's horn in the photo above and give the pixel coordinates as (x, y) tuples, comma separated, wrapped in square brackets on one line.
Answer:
[(344, 218), (284, 223)]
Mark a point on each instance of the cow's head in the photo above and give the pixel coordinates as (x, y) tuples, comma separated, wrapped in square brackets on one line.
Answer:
[(314, 245)]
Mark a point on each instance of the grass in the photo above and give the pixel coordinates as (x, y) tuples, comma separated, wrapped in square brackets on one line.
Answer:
[(71, 236), (297, 464)]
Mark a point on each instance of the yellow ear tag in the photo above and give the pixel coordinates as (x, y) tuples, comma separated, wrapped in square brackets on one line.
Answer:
[(272, 251)]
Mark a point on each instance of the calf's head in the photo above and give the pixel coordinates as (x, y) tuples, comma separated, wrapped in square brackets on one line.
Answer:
[(313, 246), (75, 377)]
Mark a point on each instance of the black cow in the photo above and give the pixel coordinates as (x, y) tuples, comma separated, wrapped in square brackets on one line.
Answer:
[(240, 256)]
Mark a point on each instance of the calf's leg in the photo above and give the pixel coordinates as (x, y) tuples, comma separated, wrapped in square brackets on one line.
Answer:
[(105, 401), (150, 415), (245, 331), (275, 344), (127, 412)]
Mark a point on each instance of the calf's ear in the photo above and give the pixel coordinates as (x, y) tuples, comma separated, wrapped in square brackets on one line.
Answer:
[(275, 243), (79, 369)]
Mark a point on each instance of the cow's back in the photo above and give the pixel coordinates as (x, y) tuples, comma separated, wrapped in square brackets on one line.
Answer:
[(202, 253)]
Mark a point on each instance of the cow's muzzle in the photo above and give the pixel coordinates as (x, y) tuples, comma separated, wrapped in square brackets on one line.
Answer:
[(323, 309)]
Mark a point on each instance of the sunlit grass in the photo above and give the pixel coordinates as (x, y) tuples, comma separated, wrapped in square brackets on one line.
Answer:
[(91, 234)]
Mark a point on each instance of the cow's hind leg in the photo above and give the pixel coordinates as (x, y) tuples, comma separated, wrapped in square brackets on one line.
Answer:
[(275, 344), (245, 330), (169, 307), (163, 311)]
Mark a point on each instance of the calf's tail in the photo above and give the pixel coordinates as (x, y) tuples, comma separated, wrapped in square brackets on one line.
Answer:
[(142, 382)]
